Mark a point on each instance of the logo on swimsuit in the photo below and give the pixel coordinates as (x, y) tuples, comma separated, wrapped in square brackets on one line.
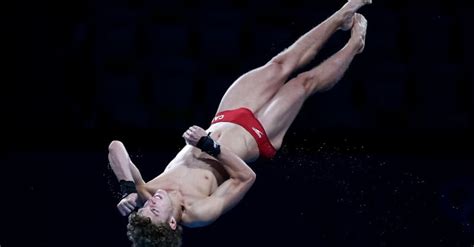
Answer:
[(220, 117), (258, 132)]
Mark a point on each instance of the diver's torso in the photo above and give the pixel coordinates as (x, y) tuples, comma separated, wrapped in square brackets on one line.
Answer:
[(195, 174), (236, 138)]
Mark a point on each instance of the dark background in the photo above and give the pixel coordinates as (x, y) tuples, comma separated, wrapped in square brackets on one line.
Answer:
[(382, 159)]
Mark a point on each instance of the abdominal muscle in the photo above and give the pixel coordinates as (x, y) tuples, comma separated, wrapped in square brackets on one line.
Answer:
[(195, 174), (235, 138)]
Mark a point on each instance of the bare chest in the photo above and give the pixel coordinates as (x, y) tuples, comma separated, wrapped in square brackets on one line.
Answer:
[(193, 179)]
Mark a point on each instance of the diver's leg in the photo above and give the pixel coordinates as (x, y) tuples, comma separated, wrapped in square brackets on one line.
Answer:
[(277, 116), (255, 88), (307, 46)]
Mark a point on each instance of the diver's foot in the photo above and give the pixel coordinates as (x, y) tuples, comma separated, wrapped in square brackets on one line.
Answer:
[(358, 32), (348, 10)]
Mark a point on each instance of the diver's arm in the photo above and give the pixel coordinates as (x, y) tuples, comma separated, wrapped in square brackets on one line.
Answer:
[(228, 194), (125, 170), (233, 164), (123, 167)]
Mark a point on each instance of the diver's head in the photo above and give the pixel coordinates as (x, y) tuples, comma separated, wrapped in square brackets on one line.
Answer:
[(155, 223), (159, 209)]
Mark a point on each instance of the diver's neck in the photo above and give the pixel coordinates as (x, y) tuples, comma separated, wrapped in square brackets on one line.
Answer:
[(178, 204)]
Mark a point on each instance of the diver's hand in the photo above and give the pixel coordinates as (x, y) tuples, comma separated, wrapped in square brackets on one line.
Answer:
[(193, 134), (128, 204)]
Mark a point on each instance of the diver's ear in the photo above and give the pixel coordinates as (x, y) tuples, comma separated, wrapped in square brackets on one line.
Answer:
[(172, 222)]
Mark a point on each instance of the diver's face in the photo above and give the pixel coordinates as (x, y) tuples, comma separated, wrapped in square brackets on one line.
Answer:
[(158, 208)]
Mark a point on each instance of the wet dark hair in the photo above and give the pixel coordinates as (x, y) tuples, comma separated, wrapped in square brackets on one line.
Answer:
[(142, 232)]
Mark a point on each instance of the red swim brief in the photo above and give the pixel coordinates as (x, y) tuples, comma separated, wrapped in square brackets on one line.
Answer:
[(245, 118)]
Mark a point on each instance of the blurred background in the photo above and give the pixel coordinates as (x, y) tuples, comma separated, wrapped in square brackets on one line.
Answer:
[(382, 159)]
